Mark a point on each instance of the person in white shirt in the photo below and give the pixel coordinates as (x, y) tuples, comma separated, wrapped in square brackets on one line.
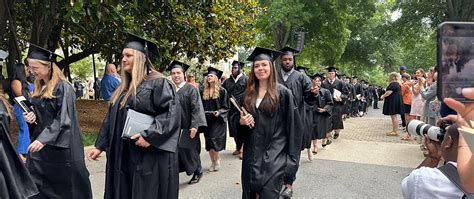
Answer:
[(427, 181)]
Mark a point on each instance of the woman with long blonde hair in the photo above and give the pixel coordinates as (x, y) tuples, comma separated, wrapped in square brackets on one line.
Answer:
[(270, 156), (145, 164), (216, 105), (56, 154), (393, 104)]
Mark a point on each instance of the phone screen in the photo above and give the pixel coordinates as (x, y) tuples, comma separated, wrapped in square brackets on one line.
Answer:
[(455, 59)]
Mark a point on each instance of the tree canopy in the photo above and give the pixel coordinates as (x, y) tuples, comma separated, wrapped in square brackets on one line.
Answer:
[(363, 38), (205, 30)]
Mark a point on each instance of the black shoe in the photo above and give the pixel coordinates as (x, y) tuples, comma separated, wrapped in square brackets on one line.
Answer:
[(328, 142), (196, 177), (336, 135), (286, 193)]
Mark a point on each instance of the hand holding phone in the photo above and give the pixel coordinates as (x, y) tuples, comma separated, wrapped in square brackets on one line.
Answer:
[(454, 64)]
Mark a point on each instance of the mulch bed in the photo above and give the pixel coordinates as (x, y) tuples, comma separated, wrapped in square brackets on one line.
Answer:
[(91, 113)]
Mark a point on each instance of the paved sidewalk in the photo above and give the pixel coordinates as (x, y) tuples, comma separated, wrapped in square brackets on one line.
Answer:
[(363, 163)]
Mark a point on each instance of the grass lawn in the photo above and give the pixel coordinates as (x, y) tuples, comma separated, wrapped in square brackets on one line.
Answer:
[(88, 138)]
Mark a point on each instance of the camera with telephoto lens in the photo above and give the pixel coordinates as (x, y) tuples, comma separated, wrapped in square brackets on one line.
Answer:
[(435, 133)]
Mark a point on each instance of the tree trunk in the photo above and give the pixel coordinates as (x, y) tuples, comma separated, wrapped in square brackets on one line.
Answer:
[(3, 18), (13, 48)]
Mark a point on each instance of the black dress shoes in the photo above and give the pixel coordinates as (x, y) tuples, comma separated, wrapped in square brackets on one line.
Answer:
[(196, 177)]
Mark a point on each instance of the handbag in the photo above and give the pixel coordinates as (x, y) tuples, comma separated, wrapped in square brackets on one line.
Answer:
[(435, 106)]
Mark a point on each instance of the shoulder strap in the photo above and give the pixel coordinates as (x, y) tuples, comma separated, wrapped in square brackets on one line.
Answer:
[(451, 172)]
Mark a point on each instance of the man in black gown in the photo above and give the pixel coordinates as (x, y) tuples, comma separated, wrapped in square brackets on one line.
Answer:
[(300, 86), (298, 83), (350, 97), (192, 118), (235, 86), (359, 94), (333, 84)]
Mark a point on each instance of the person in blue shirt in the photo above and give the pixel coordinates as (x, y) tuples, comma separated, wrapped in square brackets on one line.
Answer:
[(109, 82)]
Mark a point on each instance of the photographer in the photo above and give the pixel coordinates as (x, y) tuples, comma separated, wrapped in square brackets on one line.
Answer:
[(427, 181), (465, 158)]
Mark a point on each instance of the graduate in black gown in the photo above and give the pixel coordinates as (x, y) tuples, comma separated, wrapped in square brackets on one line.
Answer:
[(146, 165), (56, 153), (216, 105), (350, 97), (192, 118), (235, 86), (332, 83), (272, 148), (298, 83), (359, 95), (308, 119), (323, 105), (15, 181)]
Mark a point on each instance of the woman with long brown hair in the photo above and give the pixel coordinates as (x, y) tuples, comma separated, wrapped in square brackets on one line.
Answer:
[(216, 105), (146, 164), (271, 150), (56, 153)]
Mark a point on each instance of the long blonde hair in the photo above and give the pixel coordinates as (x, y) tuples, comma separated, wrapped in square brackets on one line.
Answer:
[(130, 82), (206, 95), (7, 104), (47, 92)]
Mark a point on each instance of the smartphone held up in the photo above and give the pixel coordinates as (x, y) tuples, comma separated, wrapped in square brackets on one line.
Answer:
[(455, 59)]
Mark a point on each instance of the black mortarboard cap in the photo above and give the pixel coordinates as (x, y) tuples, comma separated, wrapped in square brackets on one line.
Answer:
[(40, 53), (289, 51), (318, 75), (241, 64), (178, 64), (43, 54), (215, 71), (143, 45), (331, 69), (263, 54)]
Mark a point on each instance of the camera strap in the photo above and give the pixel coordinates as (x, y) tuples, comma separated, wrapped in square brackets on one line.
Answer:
[(451, 172)]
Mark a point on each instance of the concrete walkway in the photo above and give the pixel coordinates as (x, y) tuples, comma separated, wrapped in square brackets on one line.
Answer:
[(362, 163)]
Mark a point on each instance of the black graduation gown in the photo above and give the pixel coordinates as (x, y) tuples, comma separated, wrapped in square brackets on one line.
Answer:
[(272, 149), (15, 181), (300, 86), (58, 170), (137, 172), (358, 103), (192, 116), (308, 125), (338, 106), (348, 108), (237, 90), (215, 133), (322, 122)]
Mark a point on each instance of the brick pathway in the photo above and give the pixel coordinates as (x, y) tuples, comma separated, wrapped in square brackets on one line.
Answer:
[(371, 127)]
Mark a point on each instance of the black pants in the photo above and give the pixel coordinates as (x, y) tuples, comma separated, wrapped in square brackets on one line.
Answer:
[(376, 103)]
